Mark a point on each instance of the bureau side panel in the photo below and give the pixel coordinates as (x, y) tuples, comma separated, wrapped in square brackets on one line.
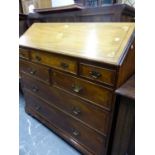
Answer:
[(124, 139), (127, 68)]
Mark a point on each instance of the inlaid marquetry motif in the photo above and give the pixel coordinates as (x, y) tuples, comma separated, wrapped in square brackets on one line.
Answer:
[(99, 41)]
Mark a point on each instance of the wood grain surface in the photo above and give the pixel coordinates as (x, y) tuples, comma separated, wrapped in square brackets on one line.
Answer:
[(105, 42), (128, 88)]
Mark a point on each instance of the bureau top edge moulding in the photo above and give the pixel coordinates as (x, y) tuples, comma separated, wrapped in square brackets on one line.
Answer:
[(100, 42)]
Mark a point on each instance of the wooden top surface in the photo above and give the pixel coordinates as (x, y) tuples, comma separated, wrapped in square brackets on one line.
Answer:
[(103, 42), (127, 89)]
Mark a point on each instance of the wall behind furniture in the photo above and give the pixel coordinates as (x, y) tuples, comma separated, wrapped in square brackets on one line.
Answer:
[(25, 5), (94, 3), (129, 2), (57, 3), (37, 4)]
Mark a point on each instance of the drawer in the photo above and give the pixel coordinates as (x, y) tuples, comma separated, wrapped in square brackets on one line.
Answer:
[(55, 61), (89, 91), (24, 54), (87, 113), (79, 132), (99, 74), (35, 70)]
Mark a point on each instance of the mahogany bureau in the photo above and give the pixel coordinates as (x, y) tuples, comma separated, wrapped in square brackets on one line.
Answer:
[(69, 74)]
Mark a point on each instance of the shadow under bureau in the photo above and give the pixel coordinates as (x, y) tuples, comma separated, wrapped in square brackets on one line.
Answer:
[(69, 74)]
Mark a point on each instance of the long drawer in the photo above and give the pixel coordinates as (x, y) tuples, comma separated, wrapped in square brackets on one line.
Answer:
[(38, 71), (89, 91), (79, 132), (55, 61), (87, 113)]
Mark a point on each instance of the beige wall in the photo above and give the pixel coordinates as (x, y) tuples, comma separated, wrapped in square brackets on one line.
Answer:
[(25, 5), (38, 4)]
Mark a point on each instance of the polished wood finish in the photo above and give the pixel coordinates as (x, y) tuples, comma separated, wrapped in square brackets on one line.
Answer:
[(87, 137), (127, 67), (74, 106), (124, 135), (58, 62), (72, 90), (24, 53), (128, 88), (67, 137), (96, 73), (91, 92), (61, 38), (35, 70)]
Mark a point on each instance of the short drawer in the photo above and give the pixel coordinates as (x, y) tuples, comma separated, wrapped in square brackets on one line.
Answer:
[(89, 91), (35, 70), (87, 113), (99, 74), (79, 132), (55, 61), (24, 54)]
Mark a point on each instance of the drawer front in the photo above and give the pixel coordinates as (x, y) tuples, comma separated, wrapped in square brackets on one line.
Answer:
[(58, 62), (94, 73), (38, 71), (80, 133), (24, 54), (91, 92), (87, 113)]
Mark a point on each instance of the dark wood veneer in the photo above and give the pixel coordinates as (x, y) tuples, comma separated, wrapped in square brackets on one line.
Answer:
[(124, 133), (63, 96), (67, 137), (71, 104), (58, 62), (128, 88), (24, 53), (94, 93), (35, 70), (96, 73), (87, 137)]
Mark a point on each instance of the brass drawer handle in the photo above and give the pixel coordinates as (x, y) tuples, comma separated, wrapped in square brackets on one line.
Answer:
[(35, 89), (38, 58), (37, 108), (64, 65), (21, 54), (95, 74), (76, 111), (77, 88), (32, 72), (75, 133)]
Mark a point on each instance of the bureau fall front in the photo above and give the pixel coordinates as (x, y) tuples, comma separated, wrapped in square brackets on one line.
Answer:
[(69, 72)]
